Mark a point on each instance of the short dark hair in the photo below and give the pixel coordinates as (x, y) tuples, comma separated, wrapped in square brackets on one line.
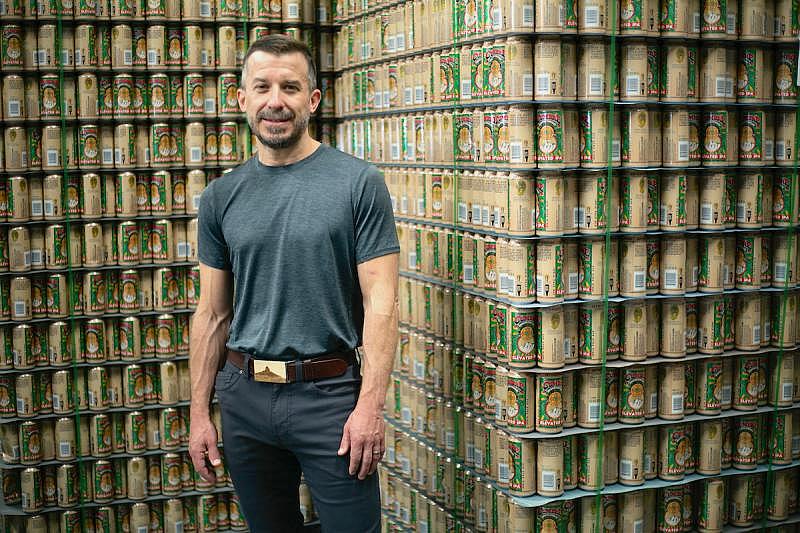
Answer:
[(278, 45)]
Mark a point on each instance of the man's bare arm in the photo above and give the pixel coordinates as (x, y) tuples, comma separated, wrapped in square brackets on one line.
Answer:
[(364, 431), (210, 326)]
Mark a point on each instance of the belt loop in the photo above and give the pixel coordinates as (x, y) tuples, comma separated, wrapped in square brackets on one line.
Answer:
[(246, 366), (298, 370)]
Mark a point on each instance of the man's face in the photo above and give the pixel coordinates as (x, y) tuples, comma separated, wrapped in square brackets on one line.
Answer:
[(277, 99)]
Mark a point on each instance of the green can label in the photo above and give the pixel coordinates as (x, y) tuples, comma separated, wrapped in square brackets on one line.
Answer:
[(517, 414), (748, 381), (476, 73), (11, 55), (748, 73), (463, 132), (653, 71), (498, 333), (523, 337), (747, 437), (786, 74), (715, 145), (668, 16), (712, 388), (751, 135), (550, 135), (715, 17), (670, 510), (691, 82), (549, 402), (745, 252), (679, 450), (103, 481), (633, 397), (494, 71)]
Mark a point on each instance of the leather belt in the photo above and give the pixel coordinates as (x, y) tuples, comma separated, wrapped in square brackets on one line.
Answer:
[(326, 366)]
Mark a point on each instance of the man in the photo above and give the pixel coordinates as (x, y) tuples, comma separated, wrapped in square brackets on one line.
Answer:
[(298, 266)]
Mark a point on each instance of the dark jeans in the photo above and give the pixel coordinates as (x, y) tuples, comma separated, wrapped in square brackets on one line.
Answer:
[(272, 432)]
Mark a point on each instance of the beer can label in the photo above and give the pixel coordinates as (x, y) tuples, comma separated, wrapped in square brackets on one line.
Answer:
[(670, 503), (103, 481), (678, 451), (11, 52), (653, 77), (786, 74), (49, 96), (123, 95), (94, 339), (523, 337), (159, 95), (498, 333), (748, 381), (747, 437), (745, 258), (129, 242), (748, 74), (227, 147), (716, 136), (712, 388), (494, 72), (161, 149), (549, 401), (633, 397), (549, 134), (227, 86), (751, 136), (517, 414)]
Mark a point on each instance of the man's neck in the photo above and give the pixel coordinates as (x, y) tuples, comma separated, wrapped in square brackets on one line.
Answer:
[(272, 157)]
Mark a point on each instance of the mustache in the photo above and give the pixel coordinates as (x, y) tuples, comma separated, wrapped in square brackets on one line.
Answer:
[(279, 115)]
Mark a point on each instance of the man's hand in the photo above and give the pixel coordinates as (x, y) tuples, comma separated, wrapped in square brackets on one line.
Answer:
[(363, 437), (203, 447)]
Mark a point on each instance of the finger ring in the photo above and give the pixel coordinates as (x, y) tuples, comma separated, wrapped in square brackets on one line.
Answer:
[(377, 453)]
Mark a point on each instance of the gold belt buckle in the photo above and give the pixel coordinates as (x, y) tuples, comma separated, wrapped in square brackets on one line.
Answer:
[(269, 371)]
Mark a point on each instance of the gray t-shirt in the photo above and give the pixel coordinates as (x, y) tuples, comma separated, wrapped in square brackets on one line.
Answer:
[(292, 236)]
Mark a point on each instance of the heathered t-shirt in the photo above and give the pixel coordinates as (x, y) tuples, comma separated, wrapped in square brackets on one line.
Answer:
[(293, 236)]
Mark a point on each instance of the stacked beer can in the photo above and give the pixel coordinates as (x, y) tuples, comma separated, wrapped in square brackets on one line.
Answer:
[(115, 115), (597, 210)]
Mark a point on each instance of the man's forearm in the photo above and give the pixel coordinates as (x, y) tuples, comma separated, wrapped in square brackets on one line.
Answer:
[(207, 348), (380, 343)]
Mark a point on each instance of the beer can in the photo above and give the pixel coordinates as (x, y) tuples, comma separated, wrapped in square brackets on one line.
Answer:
[(748, 261), (30, 483), (674, 450), (101, 431), (784, 89), (756, 139), (557, 137), (746, 438), (631, 457), (592, 253), (754, 83), (671, 379), (521, 458)]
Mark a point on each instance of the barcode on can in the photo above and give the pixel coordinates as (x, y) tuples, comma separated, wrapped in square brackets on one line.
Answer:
[(726, 394), (787, 392), (527, 84), (731, 23), (19, 308), (196, 154), (639, 281), (573, 277), (469, 274), (36, 208), (591, 16), (64, 448), (616, 153), (49, 208), (757, 334), (503, 472), (527, 15), (449, 440), (780, 150), (677, 403), (653, 402), (595, 84), (548, 480), (626, 469), (405, 416), (205, 9), (594, 411), (543, 84), (14, 108), (419, 95), (196, 201), (670, 278), (52, 158), (578, 217), (127, 57), (152, 57), (506, 284), (683, 150), (633, 86), (412, 260), (108, 156), (516, 152), (210, 105), (706, 212)]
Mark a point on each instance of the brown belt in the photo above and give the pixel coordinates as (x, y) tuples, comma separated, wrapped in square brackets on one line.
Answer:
[(326, 366)]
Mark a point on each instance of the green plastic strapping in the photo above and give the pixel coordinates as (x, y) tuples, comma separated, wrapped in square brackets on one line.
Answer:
[(598, 495), (791, 233), (71, 282), (245, 19)]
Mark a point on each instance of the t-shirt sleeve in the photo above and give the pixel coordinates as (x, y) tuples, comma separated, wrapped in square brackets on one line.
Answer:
[(211, 246), (375, 230)]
